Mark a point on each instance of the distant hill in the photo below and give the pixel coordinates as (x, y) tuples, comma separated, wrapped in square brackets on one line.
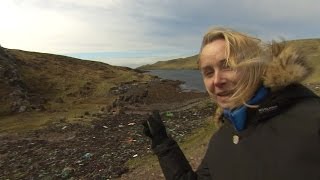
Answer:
[(180, 63), (47, 86), (310, 46)]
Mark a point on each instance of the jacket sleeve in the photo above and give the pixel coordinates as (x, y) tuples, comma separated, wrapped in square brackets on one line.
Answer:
[(175, 165)]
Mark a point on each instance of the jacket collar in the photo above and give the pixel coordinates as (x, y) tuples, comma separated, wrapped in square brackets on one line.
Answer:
[(238, 116), (279, 101)]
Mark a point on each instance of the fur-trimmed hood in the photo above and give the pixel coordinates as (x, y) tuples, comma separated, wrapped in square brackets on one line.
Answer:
[(287, 66)]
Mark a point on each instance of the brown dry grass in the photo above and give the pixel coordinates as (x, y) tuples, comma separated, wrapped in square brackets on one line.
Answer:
[(82, 85)]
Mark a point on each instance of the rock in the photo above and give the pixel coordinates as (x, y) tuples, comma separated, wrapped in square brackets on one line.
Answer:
[(131, 124), (22, 109), (87, 156), (136, 155), (67, 172), (103, 109), (40, 108)]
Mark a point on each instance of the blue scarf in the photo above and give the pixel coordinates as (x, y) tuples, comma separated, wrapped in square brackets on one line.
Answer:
[(238, 116)]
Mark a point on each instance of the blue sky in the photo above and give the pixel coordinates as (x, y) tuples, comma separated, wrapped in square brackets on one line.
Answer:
[(135, 32)]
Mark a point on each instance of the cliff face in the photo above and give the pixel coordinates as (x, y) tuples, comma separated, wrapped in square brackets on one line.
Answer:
[(13, 92)]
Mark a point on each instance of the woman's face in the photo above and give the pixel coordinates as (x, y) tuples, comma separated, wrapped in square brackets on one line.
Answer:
[(219, 79)]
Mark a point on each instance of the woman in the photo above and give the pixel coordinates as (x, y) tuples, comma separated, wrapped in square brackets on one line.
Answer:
[(269, 123)]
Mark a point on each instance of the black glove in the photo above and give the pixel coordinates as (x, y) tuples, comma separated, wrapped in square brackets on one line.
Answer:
[(155, 129)]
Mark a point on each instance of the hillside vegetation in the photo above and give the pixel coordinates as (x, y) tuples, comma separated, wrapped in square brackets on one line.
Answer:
[(38, 88), (180, 63), (66, 118), (309, 46)]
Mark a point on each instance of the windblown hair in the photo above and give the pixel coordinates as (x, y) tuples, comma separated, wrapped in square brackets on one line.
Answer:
[(275, 65), (244, 54)]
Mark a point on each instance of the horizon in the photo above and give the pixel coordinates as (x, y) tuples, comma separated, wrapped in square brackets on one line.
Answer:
[(116, 33)]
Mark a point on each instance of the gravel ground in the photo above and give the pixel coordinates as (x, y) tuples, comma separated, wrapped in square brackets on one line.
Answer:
[(100, 148)]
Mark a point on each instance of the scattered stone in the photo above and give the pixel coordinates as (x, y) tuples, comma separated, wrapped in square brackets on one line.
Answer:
[(22, 109), (67, 172), (116, 141), (40, 108), (131, 124), (87, 156), (136, 155)]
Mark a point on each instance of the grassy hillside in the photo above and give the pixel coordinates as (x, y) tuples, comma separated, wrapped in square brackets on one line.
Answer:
[(310, 46), (181, 63), (66, 87)]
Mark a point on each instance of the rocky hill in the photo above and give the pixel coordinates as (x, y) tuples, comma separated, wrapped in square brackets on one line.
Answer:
[(13, 92), (39, 87)]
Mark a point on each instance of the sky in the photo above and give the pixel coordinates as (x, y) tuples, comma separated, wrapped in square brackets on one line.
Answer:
[(136, 32)]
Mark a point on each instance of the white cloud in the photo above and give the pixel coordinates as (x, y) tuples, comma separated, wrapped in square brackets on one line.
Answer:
[(71, 26), (33, 28), (293, 10)]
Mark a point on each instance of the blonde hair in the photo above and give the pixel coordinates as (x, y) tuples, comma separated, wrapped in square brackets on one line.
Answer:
[(246, 55)]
